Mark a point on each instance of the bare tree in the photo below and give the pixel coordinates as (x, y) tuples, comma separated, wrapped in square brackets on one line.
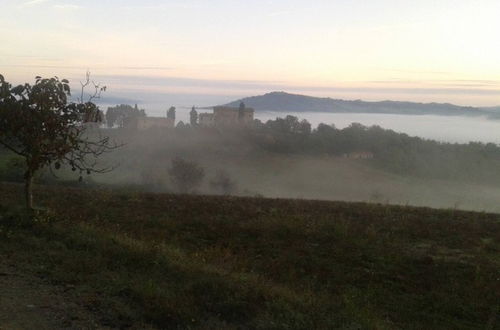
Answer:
[(38, 123)]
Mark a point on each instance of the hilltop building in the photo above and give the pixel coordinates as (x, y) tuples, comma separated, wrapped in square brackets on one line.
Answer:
[(206, 119), (222, 116), (227, 116)]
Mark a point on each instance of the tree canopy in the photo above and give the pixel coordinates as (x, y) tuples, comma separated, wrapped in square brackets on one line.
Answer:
[(38, 123), (186, 176), (117, 115)]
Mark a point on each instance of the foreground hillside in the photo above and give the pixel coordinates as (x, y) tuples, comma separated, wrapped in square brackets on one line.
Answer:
[(171, 261)]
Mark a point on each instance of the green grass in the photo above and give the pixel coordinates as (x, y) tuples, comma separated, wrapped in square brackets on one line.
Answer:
[(226, 263)]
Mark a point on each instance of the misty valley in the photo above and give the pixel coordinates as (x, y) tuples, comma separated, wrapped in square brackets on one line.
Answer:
[(288, 158), (229, 222)]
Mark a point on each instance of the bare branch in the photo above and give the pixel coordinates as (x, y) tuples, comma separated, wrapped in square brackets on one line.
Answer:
[(84, 85)]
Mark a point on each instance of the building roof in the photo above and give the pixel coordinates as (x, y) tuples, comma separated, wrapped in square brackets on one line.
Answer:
[(221, 107)]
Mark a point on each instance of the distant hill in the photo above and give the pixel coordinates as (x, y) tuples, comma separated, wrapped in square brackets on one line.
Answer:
[(285, 102)]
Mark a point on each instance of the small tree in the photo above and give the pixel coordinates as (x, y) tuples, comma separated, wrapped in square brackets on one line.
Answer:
[(185, 175), (304, 128), (39, 124), (171, 113), (193, 116), (222, 183)]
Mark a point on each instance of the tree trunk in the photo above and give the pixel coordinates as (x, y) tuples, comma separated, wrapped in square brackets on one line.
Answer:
[(28, 189)]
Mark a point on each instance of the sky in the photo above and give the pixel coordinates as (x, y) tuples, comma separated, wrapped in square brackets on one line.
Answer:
[(425, 51)]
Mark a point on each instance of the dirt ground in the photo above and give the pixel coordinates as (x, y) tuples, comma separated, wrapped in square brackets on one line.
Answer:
[(29, 302)]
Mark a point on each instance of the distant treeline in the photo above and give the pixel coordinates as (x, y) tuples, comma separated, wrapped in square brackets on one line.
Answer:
[(392, 151), (380, 148)]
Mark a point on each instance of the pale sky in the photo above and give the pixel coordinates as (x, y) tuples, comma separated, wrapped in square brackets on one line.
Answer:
[(441, 50)]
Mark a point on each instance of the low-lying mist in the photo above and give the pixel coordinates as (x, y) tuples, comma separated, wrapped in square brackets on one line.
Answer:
[(146, 158), (285, 158), (454, 129)]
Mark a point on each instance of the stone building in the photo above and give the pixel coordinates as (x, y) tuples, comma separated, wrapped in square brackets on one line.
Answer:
[(206, 119), (227, 116)]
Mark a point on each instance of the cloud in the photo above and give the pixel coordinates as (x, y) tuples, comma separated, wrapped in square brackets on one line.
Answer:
[(30, 57), (47, 66), (267, 86), (159, 68), (191, 82), (60, 6), (34, 2), (403, 90), (418, 71), (165, 6), (67, 7), (439, 83), (131, 84), (279, 13)]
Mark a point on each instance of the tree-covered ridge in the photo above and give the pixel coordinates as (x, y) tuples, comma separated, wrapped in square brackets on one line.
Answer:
[(396, 152)]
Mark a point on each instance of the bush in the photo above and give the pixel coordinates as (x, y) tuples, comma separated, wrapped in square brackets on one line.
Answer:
[(185, 175)]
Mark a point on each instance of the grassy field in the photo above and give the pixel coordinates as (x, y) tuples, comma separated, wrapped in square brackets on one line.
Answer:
[(199, 262)]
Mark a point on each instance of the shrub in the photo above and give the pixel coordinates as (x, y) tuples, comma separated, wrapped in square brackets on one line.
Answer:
[(185, 175)]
